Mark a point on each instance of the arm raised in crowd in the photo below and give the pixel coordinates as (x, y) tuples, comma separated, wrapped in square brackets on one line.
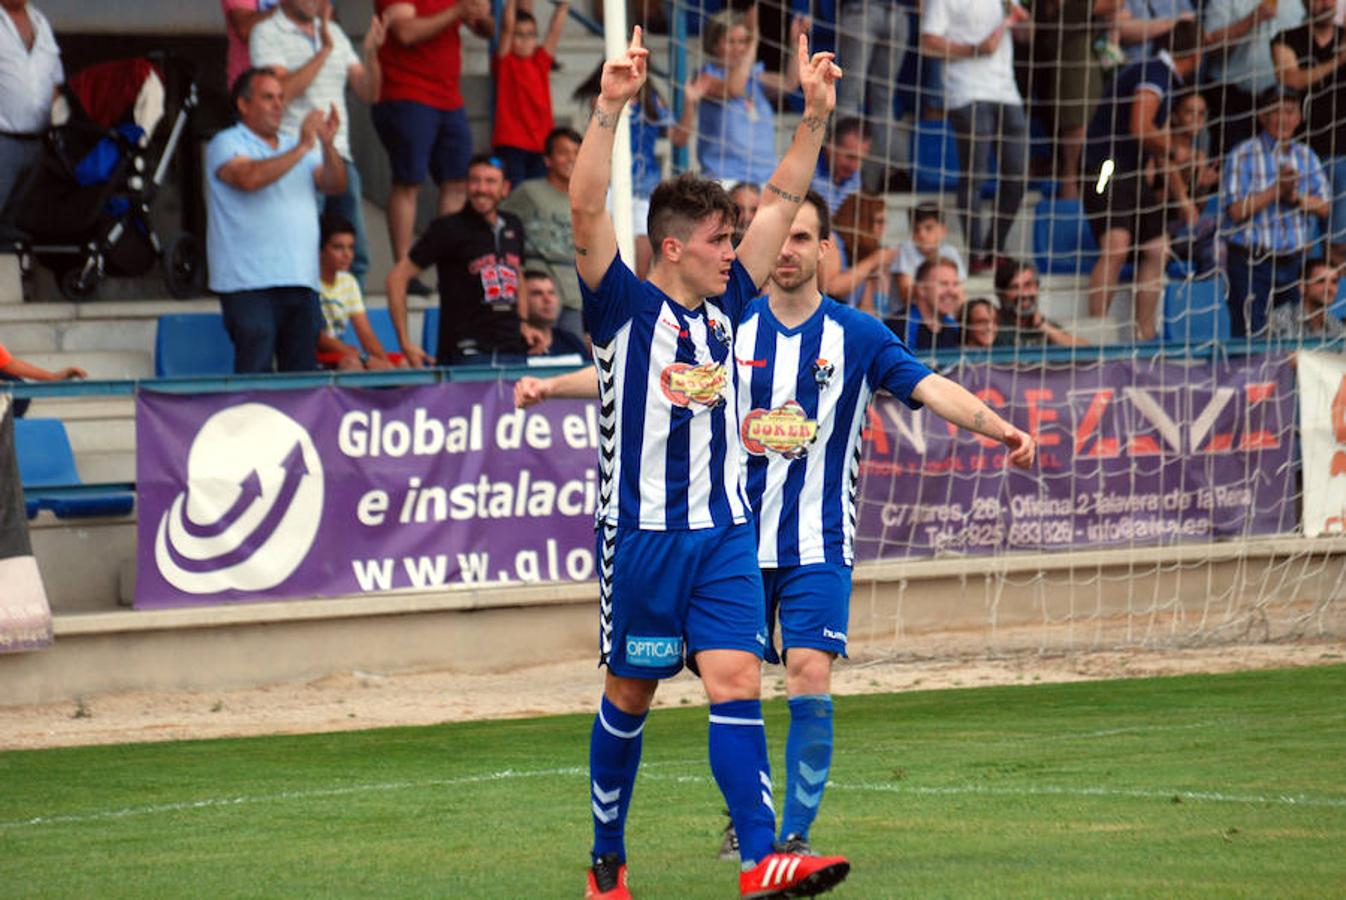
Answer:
[(331, 176), (595, 237), (555, 27), (782, 195), (366, 76)]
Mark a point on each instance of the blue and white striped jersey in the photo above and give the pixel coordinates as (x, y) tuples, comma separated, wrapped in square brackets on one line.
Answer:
[(803, 395), (669, 454)]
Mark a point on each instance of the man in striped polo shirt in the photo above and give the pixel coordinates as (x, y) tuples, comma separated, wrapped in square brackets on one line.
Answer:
[(678, 578)]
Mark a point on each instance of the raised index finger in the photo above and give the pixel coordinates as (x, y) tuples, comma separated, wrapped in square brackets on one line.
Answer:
[(635, 39)]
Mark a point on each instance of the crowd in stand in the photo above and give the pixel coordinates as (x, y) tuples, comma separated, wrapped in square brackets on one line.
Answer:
[(1207, 136)]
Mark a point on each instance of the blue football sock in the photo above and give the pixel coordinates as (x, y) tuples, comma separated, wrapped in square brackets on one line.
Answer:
[(808, 756), (738, 760), (614, 756)]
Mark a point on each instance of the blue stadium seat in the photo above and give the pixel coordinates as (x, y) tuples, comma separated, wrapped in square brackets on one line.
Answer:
[(935, 156), (430, 331), (1196, 312), (47, 460), (1338, 307), (382, 323), (1062, 241), (192, 344)]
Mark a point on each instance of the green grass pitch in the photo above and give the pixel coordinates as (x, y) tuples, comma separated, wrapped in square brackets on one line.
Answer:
[(1202, 786)]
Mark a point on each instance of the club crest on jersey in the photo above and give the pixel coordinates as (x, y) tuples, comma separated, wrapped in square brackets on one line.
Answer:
[(719, 331), (786, 430), (685, 384), (823, 372)]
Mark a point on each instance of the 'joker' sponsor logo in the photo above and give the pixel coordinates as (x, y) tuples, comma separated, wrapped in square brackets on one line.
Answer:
[(685, 384), (786, 430)]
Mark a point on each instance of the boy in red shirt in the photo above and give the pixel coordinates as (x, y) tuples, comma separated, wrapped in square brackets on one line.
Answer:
[(523, 115)]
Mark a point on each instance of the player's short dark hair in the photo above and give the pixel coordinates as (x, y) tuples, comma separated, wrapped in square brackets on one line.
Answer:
[(924, 212), (852, 125), (678, 204), (1183, 39), (330, 225), (242, 87), (930, 265), (815, 199), (530, 274), (1010, 269), (556, 134)]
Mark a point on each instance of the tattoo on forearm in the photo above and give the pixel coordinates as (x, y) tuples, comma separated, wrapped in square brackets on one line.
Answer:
[(581, 251), (814, 123), (978, 420), (784, 195), (606, 119)]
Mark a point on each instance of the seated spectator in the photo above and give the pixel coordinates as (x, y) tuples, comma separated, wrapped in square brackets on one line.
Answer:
[(1311, 317), (315, 61), (543, 308), (523, 113), (1016, 284), (543, 206), (932, 318), (732, 104), (1272, 189), (838, 174), (479, 254), (927, 241), (262, 192), (30, 73), (14, 369), (1310, 58), (857, 273), (1185, 187), (981, 324), (1125, 216), (747, 197), (342, 303)]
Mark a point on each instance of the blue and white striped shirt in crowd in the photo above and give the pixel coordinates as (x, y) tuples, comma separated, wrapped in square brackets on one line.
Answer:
[(669, 454), (1252, 166), (803, 394)]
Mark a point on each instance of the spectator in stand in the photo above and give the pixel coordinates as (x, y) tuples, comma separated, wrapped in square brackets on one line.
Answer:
[(932, 318), (1272, 188), (747, 197), (420, 118), (928, 241), (479, 252), (1310, 58), (838, 174), (730, 104), (262, 193), (1125, 215), (14, 369), (343, 303), (873, 38), (30, 73), (1184, 188), (315, 62), (1016, 286), (857, 273), (981, 324), (544, 309), (523, 113), (1240, 34), (1141, 23), (543, 206), (1312, 316), (972, 38), (240, 17)]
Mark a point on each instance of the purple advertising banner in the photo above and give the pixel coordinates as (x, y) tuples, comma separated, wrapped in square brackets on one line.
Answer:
[(1137, 452), (276, 494)]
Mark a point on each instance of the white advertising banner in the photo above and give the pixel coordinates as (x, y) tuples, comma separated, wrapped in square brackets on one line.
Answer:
[(1322, 418)]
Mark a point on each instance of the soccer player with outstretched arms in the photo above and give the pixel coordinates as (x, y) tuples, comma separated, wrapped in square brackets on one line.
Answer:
[(807, 367), (678, 578)]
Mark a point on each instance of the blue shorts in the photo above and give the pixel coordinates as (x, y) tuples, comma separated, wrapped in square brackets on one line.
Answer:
[(665, 596), (421, 139), (812, 604)]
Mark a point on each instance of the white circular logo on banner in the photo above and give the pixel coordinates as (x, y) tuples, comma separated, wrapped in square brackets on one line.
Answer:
[(252, 505)]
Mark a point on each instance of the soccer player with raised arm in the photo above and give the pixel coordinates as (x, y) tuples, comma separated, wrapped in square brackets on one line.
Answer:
[(807, 368), (678, 575)]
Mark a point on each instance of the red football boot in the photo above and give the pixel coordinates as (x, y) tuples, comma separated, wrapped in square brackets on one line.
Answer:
[(607, 879), (783, 875)]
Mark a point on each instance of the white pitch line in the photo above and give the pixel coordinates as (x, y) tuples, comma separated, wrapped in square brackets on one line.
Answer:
[(575, 771)]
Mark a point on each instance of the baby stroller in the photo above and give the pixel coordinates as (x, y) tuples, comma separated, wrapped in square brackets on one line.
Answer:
[(87, 210)]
